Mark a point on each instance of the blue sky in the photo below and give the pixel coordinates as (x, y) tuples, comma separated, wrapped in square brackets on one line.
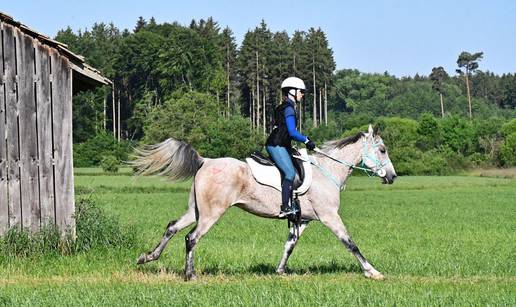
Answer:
[(402, 37)]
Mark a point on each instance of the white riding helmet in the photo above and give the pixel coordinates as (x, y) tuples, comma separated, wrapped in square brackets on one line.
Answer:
[(293, 82)]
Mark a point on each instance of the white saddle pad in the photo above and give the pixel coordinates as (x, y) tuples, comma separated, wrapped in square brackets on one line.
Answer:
[(271, 176)]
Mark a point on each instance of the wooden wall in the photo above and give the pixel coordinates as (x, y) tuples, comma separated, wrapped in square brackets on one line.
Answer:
[(36, 171)]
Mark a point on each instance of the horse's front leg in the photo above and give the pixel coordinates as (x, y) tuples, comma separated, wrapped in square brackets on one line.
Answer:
[(289, 246), (334, 222)]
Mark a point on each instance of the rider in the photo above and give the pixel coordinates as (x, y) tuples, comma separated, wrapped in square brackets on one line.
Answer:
[(279, 141)]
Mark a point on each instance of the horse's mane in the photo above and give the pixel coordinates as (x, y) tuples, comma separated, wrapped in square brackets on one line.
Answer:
[(338, 144)]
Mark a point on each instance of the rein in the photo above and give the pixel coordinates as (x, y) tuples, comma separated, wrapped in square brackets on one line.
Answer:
[(365, 156), (366, 170)]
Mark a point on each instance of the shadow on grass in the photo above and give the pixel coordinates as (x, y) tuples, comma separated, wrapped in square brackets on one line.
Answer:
[(257, 269), (327, 268)]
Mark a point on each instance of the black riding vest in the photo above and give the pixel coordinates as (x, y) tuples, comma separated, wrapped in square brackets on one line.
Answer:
[(279, 135)]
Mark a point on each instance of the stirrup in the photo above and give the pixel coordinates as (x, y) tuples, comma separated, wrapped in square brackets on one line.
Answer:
[(289, 211)]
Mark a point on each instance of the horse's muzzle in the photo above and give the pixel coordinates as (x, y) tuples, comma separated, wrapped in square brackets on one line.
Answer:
[(389, 178)]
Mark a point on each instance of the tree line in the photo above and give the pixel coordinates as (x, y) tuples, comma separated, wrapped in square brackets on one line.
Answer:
[(155, 61), (159, 69)]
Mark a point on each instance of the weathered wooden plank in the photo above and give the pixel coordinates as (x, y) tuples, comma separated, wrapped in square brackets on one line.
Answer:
[(11, 105), (62, 123), (28, 134), (44, 110), (4, 212)]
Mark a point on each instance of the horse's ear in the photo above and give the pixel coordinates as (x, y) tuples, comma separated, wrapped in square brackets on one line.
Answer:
[(370, 131), (376, 130)]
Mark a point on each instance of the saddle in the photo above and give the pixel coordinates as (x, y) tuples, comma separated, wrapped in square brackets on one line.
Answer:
[(267, 173)]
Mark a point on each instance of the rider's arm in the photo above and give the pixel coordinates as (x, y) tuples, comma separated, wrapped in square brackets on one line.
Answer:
[(290, 120)]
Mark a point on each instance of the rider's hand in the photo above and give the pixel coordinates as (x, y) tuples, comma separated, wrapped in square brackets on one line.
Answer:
[(309, 144)]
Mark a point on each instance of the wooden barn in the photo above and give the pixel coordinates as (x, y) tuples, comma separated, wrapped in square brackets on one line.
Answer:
[(38, 77)]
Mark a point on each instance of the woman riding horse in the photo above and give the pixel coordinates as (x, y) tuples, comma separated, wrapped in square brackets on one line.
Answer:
[(279, 144)]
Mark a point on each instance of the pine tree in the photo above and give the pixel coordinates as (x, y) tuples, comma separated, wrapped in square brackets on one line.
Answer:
[(468, 62), (245, 64), (263, 41), (255, 71), (312, 44), (438, 76), (327, 66), (322, 66), (140, 24), (280, 63), (300, 68), (230, 55)]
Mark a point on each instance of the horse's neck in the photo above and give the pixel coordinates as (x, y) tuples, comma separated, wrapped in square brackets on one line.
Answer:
[(350, 154)]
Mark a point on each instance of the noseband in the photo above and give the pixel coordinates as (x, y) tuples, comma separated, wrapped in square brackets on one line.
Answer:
[(379, 165)]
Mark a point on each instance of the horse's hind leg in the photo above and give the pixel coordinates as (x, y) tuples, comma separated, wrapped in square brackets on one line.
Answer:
[(289, 246), (334, 222), (172, 228), (192, 238)]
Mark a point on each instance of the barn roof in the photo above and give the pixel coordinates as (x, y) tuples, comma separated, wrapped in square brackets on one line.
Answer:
[(85, 76)]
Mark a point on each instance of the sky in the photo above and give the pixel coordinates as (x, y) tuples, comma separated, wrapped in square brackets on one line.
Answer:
[(401, 37)]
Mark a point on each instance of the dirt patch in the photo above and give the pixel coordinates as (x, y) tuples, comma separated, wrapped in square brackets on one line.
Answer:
[(495, 172)]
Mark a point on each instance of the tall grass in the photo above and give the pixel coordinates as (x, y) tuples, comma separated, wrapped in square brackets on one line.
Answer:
[(94, 229)]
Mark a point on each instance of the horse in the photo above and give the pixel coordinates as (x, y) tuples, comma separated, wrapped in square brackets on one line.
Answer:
[(221, 183)]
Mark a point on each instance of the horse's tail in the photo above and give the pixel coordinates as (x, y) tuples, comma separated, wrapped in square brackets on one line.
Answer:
[(175, 159)]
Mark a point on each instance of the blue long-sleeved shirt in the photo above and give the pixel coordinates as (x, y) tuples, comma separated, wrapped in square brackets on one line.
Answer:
[(290, 120)]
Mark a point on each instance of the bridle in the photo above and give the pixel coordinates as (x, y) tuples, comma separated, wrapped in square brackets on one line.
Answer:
[(379, 165), (378, 169)]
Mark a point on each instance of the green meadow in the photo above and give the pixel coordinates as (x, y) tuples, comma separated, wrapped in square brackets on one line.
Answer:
[(438, 240)]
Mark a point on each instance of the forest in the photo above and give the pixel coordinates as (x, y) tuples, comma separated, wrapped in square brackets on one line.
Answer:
[(194, 83)]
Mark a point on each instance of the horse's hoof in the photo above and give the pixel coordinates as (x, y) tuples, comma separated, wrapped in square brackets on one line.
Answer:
[(142, 259), (378, 277), (190, 277), (280, 271), (374, 274)]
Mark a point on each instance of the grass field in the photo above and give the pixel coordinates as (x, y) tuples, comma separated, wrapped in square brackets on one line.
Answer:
[(438, 241)]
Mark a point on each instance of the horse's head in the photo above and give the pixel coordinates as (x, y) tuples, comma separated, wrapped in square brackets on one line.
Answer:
[(376, 158)]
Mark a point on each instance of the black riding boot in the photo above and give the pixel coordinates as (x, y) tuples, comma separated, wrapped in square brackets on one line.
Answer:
[(286, 196)]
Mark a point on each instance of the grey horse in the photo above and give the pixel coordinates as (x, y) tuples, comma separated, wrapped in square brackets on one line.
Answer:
[(219, 184)]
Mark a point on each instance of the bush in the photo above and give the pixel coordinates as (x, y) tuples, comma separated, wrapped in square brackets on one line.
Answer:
[(454, 160), (444, 146), (195, 119), (439, 161), (347, 121), (406, 160), (91, 152), (110, 164), (458, 134), (509, 127), (181, 117), (508, 150), (433, 163), (227, 137), (94, 229), (429, 132), (398, 132), (323, 133), (478, 159)]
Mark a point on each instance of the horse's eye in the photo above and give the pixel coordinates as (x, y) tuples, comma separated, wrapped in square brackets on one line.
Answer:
[(382, 150)]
